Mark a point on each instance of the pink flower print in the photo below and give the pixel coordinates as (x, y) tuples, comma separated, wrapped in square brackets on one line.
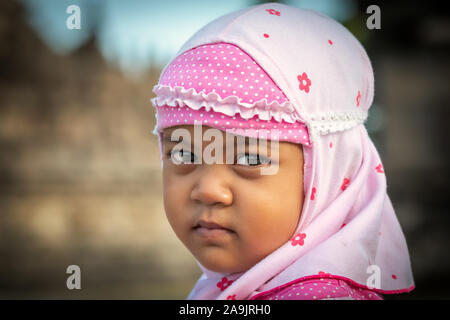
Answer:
[(343, 225), (305, 82), (224, 283), (266, 35), (231, 297), (379, 168), (345, 183), (358, 98), (313, 193), (330, 42), (273, 11), (324, 274), (394, 277), (298, 239)]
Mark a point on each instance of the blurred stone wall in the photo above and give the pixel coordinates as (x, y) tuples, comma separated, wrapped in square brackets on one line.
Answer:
[(80, 176)]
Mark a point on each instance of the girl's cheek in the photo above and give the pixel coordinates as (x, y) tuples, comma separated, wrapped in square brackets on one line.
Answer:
[(175, 211), (248, 172), (177, 169)]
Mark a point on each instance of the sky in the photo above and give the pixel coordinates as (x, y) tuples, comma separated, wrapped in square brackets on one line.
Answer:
[(134, 34)]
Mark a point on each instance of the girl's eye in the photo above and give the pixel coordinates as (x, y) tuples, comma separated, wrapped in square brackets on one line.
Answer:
[(252, 160), (181, 156)]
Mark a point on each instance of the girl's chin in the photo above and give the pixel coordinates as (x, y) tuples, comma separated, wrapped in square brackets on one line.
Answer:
[(225, 268), (219, 268)]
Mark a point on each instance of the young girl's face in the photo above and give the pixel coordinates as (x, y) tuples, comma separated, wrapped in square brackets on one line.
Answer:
[(230, 216)]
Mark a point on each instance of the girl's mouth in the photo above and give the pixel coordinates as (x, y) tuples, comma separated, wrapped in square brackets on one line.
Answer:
[(208, 229)]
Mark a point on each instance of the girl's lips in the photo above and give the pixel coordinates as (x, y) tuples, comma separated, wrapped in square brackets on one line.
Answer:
[(211, 230), (209, 225), (212, 233)]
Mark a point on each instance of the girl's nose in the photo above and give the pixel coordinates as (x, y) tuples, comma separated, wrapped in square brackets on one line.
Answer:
[(212, 187)]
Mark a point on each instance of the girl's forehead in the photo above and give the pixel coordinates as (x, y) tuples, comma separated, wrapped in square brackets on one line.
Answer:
[(192, 133)]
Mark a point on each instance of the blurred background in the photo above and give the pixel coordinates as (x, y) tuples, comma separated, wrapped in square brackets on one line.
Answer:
[(80, 177)]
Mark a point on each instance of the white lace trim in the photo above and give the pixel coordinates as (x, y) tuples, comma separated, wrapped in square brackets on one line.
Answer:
[(330, 122), (318, 124), (230, 105)]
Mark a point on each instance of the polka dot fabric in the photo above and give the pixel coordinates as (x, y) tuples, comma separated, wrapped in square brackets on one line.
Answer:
[(322, 77), (254, 127), (320, 289), (224, 69)]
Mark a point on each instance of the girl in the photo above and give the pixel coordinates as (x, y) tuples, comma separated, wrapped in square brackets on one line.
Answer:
[(322, 226)]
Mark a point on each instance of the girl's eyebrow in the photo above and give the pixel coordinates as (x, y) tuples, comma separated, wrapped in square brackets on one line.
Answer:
[(169, 139)]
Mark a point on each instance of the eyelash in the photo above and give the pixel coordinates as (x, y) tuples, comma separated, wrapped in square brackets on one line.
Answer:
[(258, 157)]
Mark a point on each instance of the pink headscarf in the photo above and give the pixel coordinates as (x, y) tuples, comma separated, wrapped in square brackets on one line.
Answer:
[(320, 80)]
